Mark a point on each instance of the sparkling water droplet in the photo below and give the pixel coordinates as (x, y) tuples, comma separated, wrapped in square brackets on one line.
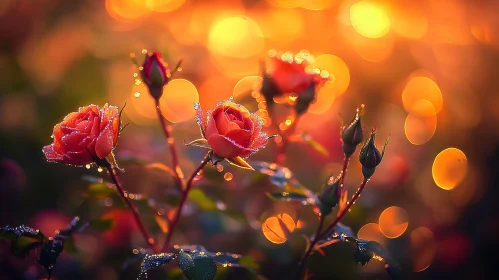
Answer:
[(135, 75), (144, 51), (136, 94), (100, 169), (179, 69), (88, 166)]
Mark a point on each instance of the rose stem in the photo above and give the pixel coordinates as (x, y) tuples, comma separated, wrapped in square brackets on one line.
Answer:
[(346, 160), (281, 150), (183, 199), (305, 257), (143, 230), (171, 143), (332, 225)]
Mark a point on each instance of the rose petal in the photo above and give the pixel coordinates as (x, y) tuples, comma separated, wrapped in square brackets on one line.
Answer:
[(72, 141), (107, 113), (51, 155), (226, 148), (291, 77), (105, 142), (78, 158), (259, 141), (211, 127), (200, 118), (240, 136)]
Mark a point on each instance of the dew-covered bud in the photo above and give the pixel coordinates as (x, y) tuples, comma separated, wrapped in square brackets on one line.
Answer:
[(330, 195), (155, 74), (352, 134), (370, 156)]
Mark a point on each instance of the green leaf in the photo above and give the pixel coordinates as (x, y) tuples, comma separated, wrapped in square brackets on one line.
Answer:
[(53, 248), (102, 224), (153, 261), (240, 162), (292, 197), (305, 138), (201, 142), (22, 246), (23, 239), (99, 191), (11, 233), (202, 201), (278, 175), (197, 265)]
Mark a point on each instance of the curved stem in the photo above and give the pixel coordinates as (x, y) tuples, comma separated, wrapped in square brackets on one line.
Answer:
[(171, 143), (307, 254), (319, 236), (136, 216), (281, 150), (339, 190), (183, 199)]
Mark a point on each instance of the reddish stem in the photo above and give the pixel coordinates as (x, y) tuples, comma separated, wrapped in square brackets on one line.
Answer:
[(136, 216), (332, 225), (307, 254), (280, 156), (183, 199), (346, 160), (171, 143)]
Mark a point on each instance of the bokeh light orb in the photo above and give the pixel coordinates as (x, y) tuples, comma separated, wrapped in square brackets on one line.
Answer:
[(449, 168), (247, 85), (393, 221), (324, 99), (276, 228), (237, 36), (371, 232), (423, 248), (164, 6), (419, 87), (338, 72), (369, 19), (421, 122), (126, 9), (316, 5), (178, 100)]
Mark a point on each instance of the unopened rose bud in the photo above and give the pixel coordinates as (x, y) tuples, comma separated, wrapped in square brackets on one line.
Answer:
[(352, 134), (155, 74), (330, 195), (370, 156)]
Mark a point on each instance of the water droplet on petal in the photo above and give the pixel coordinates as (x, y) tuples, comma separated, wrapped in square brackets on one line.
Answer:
[(136, 94)]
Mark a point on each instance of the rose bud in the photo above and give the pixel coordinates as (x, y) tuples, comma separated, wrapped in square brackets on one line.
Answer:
[(231, 132), (330, 195), (351, 134), (289, 74), (370, 156), (85, 136), (155, 74)]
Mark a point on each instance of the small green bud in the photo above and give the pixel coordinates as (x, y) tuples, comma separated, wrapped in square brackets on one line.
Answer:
[(352, 134), (330, 195), (370, 156)]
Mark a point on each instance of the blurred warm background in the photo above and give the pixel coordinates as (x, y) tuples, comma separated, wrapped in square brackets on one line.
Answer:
[(426, 70)]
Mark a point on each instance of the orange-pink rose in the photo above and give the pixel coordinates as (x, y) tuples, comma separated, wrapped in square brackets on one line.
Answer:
[(231, 131), (84, 135)]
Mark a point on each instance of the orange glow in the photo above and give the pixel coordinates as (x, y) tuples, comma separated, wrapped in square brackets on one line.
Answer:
[(316, 5), (449, 168), (420, 87), (393, 221), (369, 19), (338, 71), (126, 9), (371, 232), (284, 26), (238, 37), (213, 90), (164, 6), (247, 85), (323, 101), (273, 230), (373, 50), (410, 24), (141, 108), (285, 3), (421, 123), (423, 248), (178, 100)]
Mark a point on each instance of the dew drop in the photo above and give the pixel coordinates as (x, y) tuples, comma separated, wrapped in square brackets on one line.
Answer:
[(144, 51), (179, 69), (135, 75), (228, 176), (100, 169), (136, 94), (88, 166)]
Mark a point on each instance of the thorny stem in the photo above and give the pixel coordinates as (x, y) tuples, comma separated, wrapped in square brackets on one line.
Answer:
[(136, 216), (281, 150), (332, 225), (305, 257), (183, 199), (339, 190), (171, 143)]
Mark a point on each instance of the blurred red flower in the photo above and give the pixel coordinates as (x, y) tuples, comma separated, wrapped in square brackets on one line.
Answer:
[(81, 136), (231, 131)]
